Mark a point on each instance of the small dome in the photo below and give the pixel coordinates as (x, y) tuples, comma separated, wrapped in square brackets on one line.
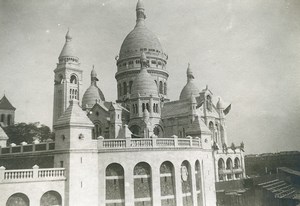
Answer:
[(188, 90), (220, 104), (144, 84), (91, 95)]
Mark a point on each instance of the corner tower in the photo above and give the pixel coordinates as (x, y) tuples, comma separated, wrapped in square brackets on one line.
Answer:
[(139, 40), (67, 79)]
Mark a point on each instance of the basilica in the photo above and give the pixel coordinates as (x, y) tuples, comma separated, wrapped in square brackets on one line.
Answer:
[(142, 149)]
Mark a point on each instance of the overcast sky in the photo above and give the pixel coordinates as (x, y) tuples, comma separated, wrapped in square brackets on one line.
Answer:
[(246, 51)]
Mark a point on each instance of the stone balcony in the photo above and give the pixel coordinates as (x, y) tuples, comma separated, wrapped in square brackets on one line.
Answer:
[(148, 143), (107, 145), (31, 175)]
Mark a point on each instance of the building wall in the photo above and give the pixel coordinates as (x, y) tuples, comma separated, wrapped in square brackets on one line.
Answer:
[(33, 190), (139, 186)]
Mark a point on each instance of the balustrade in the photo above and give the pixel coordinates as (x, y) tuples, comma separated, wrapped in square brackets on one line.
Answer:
[(149, 143), (45, 146), (31, 174)]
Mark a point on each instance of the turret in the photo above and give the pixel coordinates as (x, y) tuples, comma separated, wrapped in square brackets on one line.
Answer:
[(67, 78), (78, 155)]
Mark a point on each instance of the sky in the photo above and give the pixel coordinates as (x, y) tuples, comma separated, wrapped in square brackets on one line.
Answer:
[(246, 51)]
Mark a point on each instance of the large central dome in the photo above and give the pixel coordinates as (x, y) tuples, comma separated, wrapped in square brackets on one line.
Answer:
[(140, 38)]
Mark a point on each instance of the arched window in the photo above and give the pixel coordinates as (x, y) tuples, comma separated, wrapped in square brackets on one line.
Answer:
[(135, 129), (136, 109), (221, 164), (124, 88), (229, 167), (212, 129), (2, 118), (51, 198), (237, 163), (147, 106), (229, 164), (73, 79), (18, 199), (130, 85), (156, 107), (133, 108), (143, 107), (160, 87), (167, 184), (142, 184), (165, 88), (9, 120), (216, 136), (115, 191)]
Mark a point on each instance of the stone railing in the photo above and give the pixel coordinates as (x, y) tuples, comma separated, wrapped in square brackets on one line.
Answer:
[(175, 142), (45, 146), (34, 174)]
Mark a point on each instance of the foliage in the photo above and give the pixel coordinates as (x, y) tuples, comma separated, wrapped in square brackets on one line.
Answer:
[(23, 132)]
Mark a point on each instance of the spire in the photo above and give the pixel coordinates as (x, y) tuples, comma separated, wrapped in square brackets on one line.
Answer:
[(189, 73), (68, 50), (94, 78), (140, 12)]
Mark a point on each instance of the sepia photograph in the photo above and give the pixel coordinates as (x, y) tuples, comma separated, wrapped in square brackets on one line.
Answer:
[(150, 103)]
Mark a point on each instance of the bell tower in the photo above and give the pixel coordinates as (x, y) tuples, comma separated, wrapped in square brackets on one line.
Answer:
[(67, 79)]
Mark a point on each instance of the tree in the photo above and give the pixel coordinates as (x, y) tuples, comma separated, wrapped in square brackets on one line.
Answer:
[(23, 132)]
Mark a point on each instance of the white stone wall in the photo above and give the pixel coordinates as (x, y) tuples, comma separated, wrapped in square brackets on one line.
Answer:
[(33, 190), (128, 159)]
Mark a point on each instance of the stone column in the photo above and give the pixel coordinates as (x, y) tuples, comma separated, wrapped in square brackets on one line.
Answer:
[(243, 164), (2, 171), (155, 176), (35, 171), (193, 181), (178, 186), (129, 185)]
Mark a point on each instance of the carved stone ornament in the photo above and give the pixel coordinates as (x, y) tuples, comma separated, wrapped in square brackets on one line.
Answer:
[(184, 173)]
